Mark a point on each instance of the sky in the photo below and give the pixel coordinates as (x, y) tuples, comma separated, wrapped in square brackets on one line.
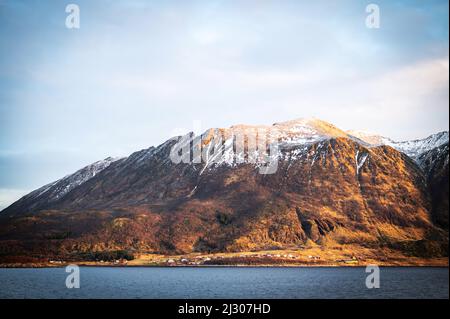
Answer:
[(138, 72)]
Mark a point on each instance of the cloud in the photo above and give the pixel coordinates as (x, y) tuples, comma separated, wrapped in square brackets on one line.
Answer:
[(403, 103), (205, 36), (417, 80)]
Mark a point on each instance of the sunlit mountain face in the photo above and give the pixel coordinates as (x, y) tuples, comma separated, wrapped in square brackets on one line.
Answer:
[(326, 187)]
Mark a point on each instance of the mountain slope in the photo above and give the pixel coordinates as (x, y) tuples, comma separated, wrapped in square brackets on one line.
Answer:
[(435, 166), (50, 193), (432, 156)]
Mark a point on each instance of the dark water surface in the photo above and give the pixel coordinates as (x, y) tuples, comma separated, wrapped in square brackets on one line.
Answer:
[(267, 283)]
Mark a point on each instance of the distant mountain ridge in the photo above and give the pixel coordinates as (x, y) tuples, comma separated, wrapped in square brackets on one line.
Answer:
[(412, 148)]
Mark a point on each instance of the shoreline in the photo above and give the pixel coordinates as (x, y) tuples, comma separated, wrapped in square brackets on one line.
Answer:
[(435, 264), (311, 258)]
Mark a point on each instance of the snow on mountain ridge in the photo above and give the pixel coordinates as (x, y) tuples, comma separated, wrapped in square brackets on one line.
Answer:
[(219, 145), (370, 138), (412, 148), (299, 131), (61, 187), (415, 148)]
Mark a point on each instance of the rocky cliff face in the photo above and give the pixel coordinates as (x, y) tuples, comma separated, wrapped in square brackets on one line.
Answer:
[(329, 188)]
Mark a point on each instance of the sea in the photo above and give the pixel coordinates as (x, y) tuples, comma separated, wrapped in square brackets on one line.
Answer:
[(223, 283)]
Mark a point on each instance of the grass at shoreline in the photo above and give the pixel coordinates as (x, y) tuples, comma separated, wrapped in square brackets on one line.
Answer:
[(310, 257)]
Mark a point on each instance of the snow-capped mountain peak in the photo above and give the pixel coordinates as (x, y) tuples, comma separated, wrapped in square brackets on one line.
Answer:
[(307, 130), (219, 146), (299, 131)]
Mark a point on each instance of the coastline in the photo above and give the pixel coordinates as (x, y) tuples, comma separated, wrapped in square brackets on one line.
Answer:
[(431, 263), (43, 266), (350, 256)]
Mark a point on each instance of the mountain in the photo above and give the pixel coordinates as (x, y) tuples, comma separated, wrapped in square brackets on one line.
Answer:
[(293, 184)]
